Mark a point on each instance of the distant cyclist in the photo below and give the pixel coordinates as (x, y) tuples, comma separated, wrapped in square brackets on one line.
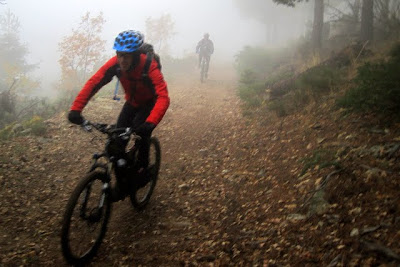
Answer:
[(205, 48)]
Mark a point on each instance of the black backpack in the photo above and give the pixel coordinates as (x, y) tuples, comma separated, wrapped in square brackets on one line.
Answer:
[(150, 54)]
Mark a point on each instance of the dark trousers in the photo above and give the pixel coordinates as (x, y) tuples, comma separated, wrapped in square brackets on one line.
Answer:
[(134, 117), (206, 58)]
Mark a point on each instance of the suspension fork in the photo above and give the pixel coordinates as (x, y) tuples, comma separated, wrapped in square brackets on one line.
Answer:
[(106, 185)]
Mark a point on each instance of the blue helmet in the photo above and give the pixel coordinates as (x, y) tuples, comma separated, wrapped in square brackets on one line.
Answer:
[(128, 41)]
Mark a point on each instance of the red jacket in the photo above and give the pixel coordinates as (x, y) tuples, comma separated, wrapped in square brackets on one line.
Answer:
[(137, 92)]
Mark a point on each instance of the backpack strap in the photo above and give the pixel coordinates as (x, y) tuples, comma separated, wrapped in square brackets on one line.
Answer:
[(149, 59), (145, 73)]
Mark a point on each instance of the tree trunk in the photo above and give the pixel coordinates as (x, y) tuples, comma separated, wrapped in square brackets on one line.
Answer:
[(367, 17), (384, 19), (318, 25), (356, 10)]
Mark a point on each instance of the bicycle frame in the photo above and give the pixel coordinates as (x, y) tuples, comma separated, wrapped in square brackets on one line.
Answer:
[(204, 63), (107, 166), (91, 201)]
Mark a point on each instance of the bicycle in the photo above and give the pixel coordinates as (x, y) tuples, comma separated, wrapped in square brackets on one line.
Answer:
[(89, 205), (203, 68)]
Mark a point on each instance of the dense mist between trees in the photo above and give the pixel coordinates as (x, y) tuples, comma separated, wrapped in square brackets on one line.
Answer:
[(50, 48), (44, 24)]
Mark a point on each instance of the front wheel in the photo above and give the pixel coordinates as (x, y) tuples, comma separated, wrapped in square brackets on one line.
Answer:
[(143, 189), (203, 71), (85, 218)]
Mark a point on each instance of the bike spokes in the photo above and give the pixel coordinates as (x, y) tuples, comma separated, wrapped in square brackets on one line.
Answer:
[(204, 69), (85, 227), (85, 219), (143, 189)]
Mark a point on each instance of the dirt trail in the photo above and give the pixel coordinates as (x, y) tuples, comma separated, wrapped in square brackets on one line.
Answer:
[(230, 191), (192, 214)]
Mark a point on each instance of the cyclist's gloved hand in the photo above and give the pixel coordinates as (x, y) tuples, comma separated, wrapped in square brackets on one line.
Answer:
[(75, 117), (145, 129)]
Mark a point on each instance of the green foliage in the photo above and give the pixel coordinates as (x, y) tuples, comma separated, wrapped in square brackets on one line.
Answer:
[(310, 85), (36, 125), (395, 54), (318, 80), (279, 76), (7, 107), (322, 158), (377, 87), (261, 63), (30, 114), (250, 90), (33, 126), (6, 132), (254, 64), (279, 106), (290, 103)]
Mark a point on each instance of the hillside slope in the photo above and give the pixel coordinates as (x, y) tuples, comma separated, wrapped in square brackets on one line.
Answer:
[(232, 191)]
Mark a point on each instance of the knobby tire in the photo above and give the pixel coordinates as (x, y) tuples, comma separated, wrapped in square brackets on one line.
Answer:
[(203, 70), (140, 202), (95, 176)]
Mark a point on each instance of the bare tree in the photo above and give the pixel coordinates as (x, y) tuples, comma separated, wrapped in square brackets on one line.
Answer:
[(80, 51), (159, 30)]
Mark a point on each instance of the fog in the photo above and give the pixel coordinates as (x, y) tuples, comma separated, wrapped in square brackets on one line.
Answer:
[(45, 22)]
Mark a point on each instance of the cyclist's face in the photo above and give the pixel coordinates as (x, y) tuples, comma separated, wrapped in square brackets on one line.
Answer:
[(125, 60)]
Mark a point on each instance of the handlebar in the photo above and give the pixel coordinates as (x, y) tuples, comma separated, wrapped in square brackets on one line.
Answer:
[(124, 132)]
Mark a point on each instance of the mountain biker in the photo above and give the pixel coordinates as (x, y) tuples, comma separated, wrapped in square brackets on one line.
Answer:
[(146, 102), (205, 48)]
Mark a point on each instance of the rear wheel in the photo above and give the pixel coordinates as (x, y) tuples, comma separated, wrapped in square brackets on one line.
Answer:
[(85, 218), (143, 187), (203, 70)]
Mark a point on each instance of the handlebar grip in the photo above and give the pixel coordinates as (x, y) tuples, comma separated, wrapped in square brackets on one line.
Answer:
[(86, 125)]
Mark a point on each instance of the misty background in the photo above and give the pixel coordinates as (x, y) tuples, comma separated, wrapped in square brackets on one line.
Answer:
[(45, 22)]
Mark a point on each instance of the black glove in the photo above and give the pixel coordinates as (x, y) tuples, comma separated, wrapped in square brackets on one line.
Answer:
[(145, 129), (75, 117)]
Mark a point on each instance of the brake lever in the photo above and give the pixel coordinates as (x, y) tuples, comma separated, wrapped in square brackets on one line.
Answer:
[(126, 134), (86, 126), (137, 137)]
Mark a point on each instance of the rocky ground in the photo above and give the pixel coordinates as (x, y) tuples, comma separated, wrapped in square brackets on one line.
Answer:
[(319, 188)]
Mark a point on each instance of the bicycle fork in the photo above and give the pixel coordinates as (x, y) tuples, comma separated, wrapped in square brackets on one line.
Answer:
[(95, 214)]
